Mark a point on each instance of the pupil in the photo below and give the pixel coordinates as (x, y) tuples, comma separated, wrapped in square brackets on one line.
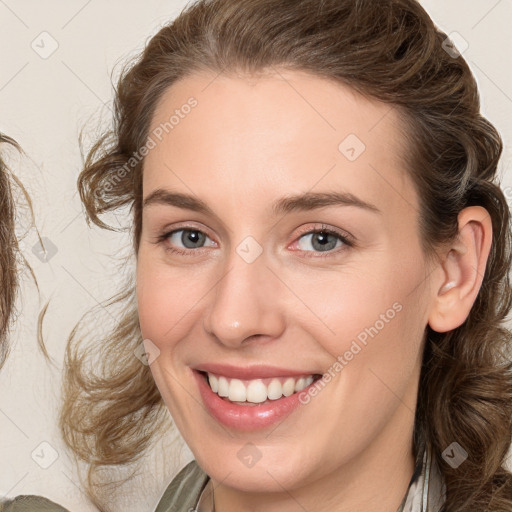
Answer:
[(192, 237), (320, 240)]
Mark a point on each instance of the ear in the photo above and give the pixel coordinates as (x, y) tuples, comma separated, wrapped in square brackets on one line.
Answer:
[(463, 268)]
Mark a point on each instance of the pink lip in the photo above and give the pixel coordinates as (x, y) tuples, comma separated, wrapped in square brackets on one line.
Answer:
[(246, 417), (250, 372)]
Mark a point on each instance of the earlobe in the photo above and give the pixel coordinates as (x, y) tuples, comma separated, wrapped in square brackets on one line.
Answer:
[(463, 269)]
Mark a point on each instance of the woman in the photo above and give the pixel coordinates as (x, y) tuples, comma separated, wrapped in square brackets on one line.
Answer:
[(375, 376)]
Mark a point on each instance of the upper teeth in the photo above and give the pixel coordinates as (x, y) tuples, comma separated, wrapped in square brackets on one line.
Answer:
[(257, 391)]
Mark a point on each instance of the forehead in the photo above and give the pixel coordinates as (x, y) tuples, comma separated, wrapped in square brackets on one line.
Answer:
[(282, 130)]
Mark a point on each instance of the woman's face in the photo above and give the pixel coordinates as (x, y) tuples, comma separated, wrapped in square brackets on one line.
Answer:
[(236, 187)]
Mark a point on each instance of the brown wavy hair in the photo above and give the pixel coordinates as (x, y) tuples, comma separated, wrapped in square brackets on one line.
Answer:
[(12, 259), (8, 251), (388, 50)]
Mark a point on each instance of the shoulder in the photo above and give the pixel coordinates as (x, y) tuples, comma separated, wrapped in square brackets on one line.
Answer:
[(30, 504), (184, 491)]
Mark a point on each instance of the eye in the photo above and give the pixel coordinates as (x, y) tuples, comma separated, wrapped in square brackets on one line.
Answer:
[(323, 240), (188, 238)]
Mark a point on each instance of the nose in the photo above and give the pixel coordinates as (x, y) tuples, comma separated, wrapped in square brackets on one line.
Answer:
[(244, 305)]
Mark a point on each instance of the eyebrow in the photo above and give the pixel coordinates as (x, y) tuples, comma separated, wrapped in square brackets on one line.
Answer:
[(292, 203)]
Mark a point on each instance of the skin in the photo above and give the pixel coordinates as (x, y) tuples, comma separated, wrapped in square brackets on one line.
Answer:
[(249, 142)]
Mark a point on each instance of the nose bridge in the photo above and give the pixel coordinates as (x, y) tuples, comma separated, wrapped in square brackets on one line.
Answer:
[(244, 300)]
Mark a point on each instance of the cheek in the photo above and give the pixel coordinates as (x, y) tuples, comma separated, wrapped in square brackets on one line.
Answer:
[(371, 296), (167, 298), (382, 326), (375, 318)]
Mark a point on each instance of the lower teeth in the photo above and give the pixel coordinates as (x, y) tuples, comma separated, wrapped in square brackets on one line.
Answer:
[(249, 403)]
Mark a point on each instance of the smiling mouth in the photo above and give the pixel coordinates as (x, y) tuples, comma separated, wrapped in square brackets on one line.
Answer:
[(257, 391)]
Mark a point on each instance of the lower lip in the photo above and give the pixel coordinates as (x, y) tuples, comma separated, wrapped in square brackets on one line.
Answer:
[(246, 417)]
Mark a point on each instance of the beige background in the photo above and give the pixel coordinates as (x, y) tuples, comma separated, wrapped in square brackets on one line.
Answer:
[(44, 102)]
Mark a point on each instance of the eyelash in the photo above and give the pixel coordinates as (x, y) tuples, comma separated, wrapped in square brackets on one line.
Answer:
[(344, 237)]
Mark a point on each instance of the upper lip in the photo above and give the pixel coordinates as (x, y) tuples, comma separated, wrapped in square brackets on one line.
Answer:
[(250, 372)]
